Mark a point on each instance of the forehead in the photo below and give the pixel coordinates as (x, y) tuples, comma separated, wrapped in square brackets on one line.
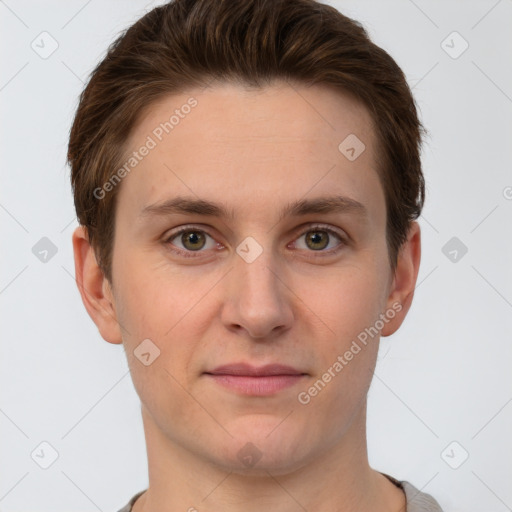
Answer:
[(227, 142), (226, 111)]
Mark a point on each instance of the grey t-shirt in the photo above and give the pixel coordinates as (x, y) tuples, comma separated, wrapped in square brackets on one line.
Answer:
[(416, 501)]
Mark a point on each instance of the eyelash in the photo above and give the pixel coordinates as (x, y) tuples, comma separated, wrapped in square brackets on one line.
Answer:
[(315, 227)]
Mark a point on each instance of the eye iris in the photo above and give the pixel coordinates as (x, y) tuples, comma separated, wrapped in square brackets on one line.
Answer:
[(192, 237), (315, 238)]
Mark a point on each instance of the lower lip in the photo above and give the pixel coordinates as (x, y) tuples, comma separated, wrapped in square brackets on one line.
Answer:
[(257, 386)]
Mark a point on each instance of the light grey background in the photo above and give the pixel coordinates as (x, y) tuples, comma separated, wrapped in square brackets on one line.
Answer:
[(443, 378)]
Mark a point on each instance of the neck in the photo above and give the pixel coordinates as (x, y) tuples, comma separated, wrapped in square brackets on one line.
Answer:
[(339, 480)]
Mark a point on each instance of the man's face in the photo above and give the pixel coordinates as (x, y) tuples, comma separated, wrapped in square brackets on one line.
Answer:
[(262, 285)]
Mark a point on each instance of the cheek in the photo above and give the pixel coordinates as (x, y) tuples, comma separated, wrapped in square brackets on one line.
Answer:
[(347, 354), (349, 305), (153, 304), (153, 301), (349, 301)]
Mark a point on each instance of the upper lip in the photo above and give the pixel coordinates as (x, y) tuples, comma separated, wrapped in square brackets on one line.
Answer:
[(244, 369)]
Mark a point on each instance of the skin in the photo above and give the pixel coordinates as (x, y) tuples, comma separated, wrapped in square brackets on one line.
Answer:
[(295, 304)]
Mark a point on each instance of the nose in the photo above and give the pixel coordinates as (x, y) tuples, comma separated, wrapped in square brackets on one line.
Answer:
[(257, 298)]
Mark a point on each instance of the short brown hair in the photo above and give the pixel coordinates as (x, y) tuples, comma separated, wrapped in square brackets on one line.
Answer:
[(187, 43)]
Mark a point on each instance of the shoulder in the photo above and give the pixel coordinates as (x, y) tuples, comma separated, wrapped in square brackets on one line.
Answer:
[(129, 505), (417, 501)]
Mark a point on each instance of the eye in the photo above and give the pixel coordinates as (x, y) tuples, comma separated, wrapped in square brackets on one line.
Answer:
[(191, 240), (319, 239)]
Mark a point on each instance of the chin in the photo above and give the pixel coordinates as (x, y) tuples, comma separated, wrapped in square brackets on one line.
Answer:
[(263, 445)]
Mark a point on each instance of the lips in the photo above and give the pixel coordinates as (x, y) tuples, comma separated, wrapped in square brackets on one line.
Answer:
[(243, 369), (244, 379)]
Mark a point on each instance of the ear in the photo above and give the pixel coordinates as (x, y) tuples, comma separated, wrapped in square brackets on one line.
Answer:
[(404, 280), (94, 288)]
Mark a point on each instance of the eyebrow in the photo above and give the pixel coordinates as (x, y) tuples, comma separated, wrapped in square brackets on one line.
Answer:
[(189, 205)]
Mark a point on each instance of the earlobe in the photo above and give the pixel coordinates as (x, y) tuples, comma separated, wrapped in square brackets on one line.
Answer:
[(404, 281), (94, 288)]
